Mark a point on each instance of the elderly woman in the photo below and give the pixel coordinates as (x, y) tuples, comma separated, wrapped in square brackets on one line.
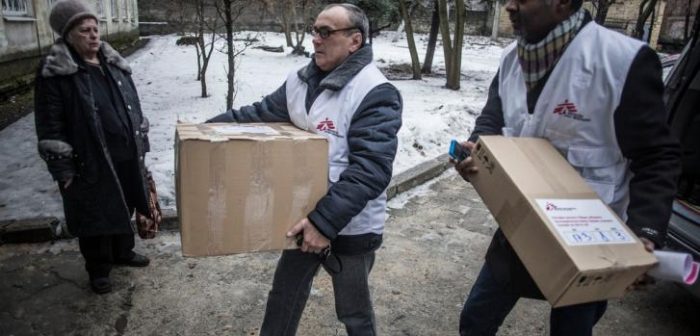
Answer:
[(92, 136)]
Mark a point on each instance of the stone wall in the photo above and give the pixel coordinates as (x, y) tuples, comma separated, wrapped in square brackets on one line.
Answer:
[(165, 17)]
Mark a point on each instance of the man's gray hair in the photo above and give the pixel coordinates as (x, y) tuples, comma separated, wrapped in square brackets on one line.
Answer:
[(357, 16)]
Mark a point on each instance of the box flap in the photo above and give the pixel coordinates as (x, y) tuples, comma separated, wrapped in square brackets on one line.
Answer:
[(216, 132)]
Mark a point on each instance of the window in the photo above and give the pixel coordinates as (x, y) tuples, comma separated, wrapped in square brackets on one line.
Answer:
[(133, 11), (49, 3), (15, 7), (100, 7), (124, 10), (113, 9)]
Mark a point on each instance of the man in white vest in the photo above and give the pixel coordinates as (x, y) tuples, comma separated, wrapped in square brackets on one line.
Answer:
[(341, 95), (596, 95)]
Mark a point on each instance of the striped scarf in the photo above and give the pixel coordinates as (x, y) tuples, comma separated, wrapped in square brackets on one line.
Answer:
[(537, 59)]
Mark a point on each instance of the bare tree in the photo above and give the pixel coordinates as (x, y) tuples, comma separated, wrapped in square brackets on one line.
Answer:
[(496, 5), (229, 11), (278, 9), (185, 23), (415, 62), (646, 8), (205, 26), (300, 24), (453, 52), (432, 40), (602, 7), (293, 25)]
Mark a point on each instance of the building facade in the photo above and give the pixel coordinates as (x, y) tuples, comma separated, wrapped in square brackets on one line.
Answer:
[(25, 34), (679, 18)]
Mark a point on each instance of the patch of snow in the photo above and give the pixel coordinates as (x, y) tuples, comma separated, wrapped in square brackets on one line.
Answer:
[(165, 75)]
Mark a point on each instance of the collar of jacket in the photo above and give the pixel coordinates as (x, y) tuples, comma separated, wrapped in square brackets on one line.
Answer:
[(60, 60), (342, 74)]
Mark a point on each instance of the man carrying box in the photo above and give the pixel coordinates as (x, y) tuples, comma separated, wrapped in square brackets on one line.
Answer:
[(596, 95), (342, 95)]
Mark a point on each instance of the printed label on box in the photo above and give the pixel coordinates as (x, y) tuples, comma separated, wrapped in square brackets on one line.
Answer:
[(242, 129), (584, 222)]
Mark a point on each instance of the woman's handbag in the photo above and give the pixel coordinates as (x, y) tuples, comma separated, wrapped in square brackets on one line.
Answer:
[(148, 224)]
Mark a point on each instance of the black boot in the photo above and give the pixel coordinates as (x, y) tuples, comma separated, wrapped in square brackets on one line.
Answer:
[(101, 285), (137, 261)]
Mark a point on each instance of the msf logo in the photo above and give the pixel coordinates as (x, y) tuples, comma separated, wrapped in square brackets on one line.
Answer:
[(327, 126), (567, 109), (549, 206)]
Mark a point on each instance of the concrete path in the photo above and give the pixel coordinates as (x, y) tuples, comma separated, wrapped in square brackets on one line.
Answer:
[(434, 244)]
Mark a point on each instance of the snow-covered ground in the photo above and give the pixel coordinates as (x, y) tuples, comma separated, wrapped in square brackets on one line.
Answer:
[(165, 78)]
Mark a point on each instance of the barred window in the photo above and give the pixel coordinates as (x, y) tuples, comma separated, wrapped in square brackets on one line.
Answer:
[(134, 9), (15, 7), (114, 9), (124, 11), (100, 7)]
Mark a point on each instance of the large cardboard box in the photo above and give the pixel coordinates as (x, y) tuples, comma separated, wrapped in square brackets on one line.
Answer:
[(574, 247), (240, 187)]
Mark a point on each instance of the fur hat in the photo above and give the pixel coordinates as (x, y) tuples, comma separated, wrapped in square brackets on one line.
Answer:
[(65, 14)]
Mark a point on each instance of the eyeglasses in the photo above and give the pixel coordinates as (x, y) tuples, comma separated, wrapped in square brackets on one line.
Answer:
[(325, 32)]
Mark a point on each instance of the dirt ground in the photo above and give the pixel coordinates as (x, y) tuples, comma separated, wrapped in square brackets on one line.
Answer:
[(433, 249)]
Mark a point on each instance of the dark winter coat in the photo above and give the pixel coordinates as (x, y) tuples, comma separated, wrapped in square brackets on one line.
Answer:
[(372, 143), (644, 138), (72, 140)]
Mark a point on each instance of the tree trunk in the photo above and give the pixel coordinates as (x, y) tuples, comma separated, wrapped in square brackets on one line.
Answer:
[(399, 31), (295, 46), (206, 55), (453, 53), (199, 62), (203, 72), (205, 64), (445, 33), (645, 10), (228, 20), (454, 75), (202, 46), (602, 13), (299, 31), (415, 62), (496, 19), (285, 23), (432, 40), (203, 82)]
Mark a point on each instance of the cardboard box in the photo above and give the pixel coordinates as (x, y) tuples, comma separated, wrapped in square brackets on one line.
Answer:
[(240, 187), (574, 247)]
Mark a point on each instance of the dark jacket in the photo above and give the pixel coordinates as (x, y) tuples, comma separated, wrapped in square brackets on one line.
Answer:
[(372, 139), (644, 139), (72, 141)]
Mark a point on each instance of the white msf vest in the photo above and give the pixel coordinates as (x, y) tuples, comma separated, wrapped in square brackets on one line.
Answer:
[(576, 107), (330, 115)]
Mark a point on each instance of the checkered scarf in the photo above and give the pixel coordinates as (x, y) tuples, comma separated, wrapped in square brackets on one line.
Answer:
[(538, 58)]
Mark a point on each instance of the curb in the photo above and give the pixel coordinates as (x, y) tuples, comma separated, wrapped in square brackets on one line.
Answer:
[(43, 229)]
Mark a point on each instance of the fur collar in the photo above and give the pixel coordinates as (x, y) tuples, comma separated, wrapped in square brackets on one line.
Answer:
[(60, 62), (343, 73)]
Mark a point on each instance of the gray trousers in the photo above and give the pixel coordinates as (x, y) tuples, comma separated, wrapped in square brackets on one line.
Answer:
[(292, 284)]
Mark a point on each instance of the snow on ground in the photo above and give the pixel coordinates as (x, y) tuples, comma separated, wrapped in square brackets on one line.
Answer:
[(165, 78)]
